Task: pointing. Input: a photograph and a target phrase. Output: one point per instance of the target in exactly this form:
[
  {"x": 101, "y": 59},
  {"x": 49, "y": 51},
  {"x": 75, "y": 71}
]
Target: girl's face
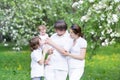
[
  {"x": 72, "y": 34},
  {"x": 59, "y": 32},
  {"x": 42, "y": 31}
]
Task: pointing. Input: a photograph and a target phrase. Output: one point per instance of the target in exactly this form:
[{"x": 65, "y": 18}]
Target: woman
[{"x": 76, "y": 55}]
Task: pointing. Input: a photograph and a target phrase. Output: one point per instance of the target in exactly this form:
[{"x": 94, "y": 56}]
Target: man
[{"x": 57, "y": 68}]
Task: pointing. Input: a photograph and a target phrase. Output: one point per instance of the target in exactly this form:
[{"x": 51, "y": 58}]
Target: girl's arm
[{"x": 41, "y": 61}]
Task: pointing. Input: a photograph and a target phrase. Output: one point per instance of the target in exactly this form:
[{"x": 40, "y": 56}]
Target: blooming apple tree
[{"x": 100, "y": 20}]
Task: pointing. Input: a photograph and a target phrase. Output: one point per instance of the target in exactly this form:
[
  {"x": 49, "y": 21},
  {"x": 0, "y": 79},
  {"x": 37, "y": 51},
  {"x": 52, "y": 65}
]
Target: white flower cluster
[
  {"x": 103, "y": 14},
  {"x": 77, "y": 4}
]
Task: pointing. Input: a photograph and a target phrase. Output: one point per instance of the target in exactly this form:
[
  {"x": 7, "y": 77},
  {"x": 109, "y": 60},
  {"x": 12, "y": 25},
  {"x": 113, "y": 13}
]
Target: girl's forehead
[{"x": 42, "y": 28}]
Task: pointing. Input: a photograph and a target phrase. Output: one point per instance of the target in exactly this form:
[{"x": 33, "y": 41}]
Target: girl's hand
[
  {"x": 50, "y": 51},
  {"x": 46, "y": 62},
  {"x": 49, "y": 41}
]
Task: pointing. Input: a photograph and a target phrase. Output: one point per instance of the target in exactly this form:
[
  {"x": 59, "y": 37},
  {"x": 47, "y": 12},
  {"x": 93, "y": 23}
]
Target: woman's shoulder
[{"x": 82, "y": 39}]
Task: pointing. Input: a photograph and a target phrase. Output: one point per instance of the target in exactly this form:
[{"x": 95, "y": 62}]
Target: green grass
[
  {"x": 105, "y": 65},
  {"x": 14, "y": 65}
]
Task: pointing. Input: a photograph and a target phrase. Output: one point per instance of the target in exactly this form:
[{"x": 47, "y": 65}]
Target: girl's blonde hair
[{"x": 41, "y": 26}]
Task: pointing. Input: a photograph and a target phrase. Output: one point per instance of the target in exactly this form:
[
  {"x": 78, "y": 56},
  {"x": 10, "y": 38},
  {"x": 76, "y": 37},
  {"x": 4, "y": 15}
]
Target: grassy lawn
[{"x": 105, "y": 65}]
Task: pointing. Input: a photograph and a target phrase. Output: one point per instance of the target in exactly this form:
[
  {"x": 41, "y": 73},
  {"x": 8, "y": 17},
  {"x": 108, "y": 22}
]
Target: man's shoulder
[{"x": 53, "y": 35}]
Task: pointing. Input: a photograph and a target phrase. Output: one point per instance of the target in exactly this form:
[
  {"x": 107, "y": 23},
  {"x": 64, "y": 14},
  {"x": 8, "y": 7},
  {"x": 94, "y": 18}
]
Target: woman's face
[{"x": 72, "y": 34}]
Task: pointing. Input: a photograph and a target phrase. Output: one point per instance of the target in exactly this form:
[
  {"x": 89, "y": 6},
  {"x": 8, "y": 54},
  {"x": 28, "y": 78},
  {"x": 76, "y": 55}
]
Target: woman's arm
[{"x": 80, "y": 57}]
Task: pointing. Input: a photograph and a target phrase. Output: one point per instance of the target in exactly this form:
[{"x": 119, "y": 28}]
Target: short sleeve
[
  {"x": 37, "y": 56},
  {"x": 83, "y": 43}
]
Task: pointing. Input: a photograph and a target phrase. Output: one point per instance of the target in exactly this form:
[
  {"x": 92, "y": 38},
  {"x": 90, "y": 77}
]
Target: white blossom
[
  {"x": 92, "y": 32},
  {"x": 80, "y": 2},
  {"x": 103, "y": 32},
  {"x": 102, "y": 17},
  {"x": 116, "y": 1},
  {"x": 112, "y": 41},
  {"x": 115, "y": 18},
  {"x": 101, "y": 38},
  {"x": 103, "y": 44},
  {"x": 100, "y": 27},
  {"x": 55, "y": 14},
  {"x": 84, "y": 18},
  {"x": 5, "y": 44},
  {"x": 75, "y": 4},
  {"x": 91, "y": 1},
  {"x": 109, "y": 31},
  {"x": 71, "y": 20}
]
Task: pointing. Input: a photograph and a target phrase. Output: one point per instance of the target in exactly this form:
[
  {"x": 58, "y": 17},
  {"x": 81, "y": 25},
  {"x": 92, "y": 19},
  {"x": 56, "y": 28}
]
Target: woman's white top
[
  {"x": 57, "y": 60},
  {"x": 37, "y": 70},
  {"x": 76, "y": 49}
]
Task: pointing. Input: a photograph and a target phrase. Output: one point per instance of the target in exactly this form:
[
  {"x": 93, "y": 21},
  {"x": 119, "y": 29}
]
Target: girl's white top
[
  {"x": 37, "y": 70},
  {"x": 75, "y": 63},
  {"x": 43, "y": 37}
]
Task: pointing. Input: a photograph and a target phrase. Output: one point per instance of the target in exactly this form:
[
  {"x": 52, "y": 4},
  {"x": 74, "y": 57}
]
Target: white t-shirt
[
  {"x": 43, "y": 37},
  {"x": 57, "y": 60},
  {"x": 37, "y": 70},
  {"x": 75, "y": 63}
]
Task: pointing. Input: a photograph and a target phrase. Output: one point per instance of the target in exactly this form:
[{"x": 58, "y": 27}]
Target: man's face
[{"x": 60, "y": 32}]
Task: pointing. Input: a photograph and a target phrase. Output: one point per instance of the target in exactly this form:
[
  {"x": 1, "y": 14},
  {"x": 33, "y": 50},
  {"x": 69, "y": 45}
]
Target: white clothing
[
  {"x": 76, "y": 67},
  {"x": 76, "y": 74},
  {"x": 58, "y": 66},
  {"x": 37, "y": 70},
  {"x": 54, "y": 74},
  {"x": 58, "y": 61},
  {"x": 75, "y": 63},
  {"x": 43, "y": 37}
]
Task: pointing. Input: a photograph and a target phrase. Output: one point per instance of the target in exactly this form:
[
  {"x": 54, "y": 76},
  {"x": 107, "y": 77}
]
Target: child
[
  {"x": 42, "y": 33},
  {"x": 37, "y": 60}
]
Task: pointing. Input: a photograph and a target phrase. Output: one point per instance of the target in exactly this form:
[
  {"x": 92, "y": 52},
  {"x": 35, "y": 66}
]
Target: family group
[{"x": 59, "y": 56}]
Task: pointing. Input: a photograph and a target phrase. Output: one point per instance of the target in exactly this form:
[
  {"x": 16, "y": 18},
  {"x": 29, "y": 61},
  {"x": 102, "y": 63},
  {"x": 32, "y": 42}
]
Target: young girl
[
  {"x": 37, "y": 61},
  {"x": 42, "y": 33}
]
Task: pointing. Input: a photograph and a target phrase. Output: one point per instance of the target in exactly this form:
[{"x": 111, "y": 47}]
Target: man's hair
[{"x": 60, "y": 25}]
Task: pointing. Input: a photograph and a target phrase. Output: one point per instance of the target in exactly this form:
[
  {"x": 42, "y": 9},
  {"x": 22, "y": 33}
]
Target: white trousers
[
  {"x": 76, "y": 74},
  {"x": 55, "y": 74}
]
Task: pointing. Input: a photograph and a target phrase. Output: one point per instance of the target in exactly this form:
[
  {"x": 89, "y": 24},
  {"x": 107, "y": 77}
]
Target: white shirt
[
  {"x": 37, "y": 70},
  {"x": 43, "y": 37},
  {"x": 57, "y": 60},
  {"x": 75, "y": 63}
]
